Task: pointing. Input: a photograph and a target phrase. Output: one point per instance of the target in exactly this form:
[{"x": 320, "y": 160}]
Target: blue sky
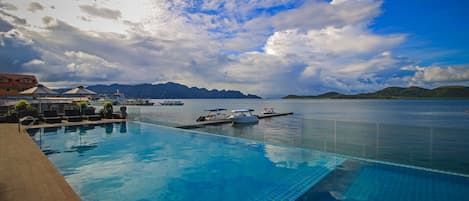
[
  {"x": 269, "y": 47},
  {"x": 431, "y": 24}
]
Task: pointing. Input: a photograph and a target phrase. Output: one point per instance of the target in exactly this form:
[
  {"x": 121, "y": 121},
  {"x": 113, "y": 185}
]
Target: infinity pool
[{"x": 138, "y": 161}]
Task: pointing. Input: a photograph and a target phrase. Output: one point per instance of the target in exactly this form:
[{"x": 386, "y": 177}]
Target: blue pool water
[
  {"x": 146, "y": 162},
  {"x": 138, "y": 161}
]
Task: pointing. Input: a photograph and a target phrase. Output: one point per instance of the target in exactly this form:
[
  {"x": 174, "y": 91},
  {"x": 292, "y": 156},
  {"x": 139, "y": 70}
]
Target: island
[{"x": 396, "y": 93}]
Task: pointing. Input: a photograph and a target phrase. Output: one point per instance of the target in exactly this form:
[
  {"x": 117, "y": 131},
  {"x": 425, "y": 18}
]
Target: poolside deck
[
  {"x": 227, "y": 121},
  {"x": 25, "y": 172}
]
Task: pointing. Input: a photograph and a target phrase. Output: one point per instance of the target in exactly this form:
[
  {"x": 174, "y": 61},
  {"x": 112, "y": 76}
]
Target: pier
[{"x": 227, "y": 121}]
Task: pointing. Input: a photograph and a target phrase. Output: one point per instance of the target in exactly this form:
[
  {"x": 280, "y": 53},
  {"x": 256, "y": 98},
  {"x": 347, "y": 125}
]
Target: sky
[{"x": 266, "y": 47}]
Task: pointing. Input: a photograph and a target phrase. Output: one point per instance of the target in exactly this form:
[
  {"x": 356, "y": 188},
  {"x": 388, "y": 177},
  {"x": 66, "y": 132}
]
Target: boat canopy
[
  {"x": 216, "y": 110},
  {"x": 242, "y": 110}
]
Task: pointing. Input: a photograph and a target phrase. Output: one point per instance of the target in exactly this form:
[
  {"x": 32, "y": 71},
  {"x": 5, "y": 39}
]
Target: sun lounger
[
  {"x": 51, "y": 117},
  {"x": 91, "y": 115},
  {"x": 72, "y": 115}
]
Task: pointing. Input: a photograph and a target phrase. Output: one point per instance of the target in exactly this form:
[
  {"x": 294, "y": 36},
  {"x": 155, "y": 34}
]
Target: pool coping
[
  {"x": 86, "y": 122},
  {"x": 25, "y": 172}
]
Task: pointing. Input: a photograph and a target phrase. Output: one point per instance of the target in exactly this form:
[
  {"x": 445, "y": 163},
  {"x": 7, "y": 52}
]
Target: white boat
[
  {"x": 214, "y": 114},
  {"x": 116, "y": 99},
  {"x": 269, "y": 110},
  {"x": 138, "y": 102},
  {"x": 171, "y": 103},
  {"x": 243, "y": 116}
]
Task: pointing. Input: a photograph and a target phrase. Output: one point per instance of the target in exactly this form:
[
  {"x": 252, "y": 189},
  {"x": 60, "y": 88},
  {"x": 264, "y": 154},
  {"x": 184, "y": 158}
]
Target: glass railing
[
  {"x": 430, "y": 147},
  {"x": 439, "y": 148}
]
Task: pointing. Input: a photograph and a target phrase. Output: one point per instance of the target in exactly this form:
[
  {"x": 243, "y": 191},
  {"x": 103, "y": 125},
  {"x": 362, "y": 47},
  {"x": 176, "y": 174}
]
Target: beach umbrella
[
  {"x": 80, "y": 90},
  {"x": 39, "y": 90}
]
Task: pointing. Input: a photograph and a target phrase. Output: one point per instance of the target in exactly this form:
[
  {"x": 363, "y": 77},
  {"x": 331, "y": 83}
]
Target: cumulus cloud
[
  {"x": 101, "y": 12},
  {"x": 34, "y": 62},
  {"x": 35, "y": 6},
  {"x": 442, "y": 74}
]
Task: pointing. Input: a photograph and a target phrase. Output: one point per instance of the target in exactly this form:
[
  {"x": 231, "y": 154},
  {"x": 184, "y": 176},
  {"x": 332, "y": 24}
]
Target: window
[
  {"x": 26, "y": 80},
  {"x": 3, "y": 80}
]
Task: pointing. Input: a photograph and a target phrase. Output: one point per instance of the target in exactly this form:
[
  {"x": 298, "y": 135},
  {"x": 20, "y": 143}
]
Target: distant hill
[
  {"x": 396, "y": 92},
  {"x": 168, "y": 90}
]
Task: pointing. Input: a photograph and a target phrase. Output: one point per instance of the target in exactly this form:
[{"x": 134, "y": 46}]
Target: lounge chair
[
  {"x": 91, "y": 115},
  {"x": 51, "y": 117},
  {"x": 72, "y": 115}
]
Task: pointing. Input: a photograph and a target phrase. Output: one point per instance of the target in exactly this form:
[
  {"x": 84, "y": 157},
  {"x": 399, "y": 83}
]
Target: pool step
[{"x": 299, "y": 182}]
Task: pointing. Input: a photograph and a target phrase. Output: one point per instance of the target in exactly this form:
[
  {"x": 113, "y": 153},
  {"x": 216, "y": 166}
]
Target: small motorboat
[
  {"x": 214, "y": 114},
  {"x": 243, "y": 116},
  {"x": 269, "y": 110},
  {"x": 171, "y": 103}
]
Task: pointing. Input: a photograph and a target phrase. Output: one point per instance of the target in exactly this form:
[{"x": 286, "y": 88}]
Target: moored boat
[
  {"x": 269, "y": 110},
  {"x": 138, "y": 102},
  {"x": 243, "y": 116},
  {"x": 214, "y": 114},
  {"x": 171, "y": 103}
]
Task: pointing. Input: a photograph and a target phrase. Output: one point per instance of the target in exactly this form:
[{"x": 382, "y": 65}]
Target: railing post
[
  {"x": 335, "y": 136},
  {"x": 377, "y": 140}
]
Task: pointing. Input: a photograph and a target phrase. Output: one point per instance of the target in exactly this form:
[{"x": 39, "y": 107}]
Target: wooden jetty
[{"x": 227, "y": 121}]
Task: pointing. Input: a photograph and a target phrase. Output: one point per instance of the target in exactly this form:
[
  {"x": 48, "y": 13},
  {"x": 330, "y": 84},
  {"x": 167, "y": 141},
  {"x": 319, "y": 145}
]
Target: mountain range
[
  {"x": 169, "y": 90},
  {"x": 396, "y": 93}
]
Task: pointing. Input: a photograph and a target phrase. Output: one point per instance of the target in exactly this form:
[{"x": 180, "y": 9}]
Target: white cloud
[
  {"x": 442, "y": 74},
  {"x": 34, "y": 62},
  {"x": 330, "y": 40}
]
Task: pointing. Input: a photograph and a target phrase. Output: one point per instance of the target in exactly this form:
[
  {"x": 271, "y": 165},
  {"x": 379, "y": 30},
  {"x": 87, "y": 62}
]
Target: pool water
[{"x": 138, "y": 161}]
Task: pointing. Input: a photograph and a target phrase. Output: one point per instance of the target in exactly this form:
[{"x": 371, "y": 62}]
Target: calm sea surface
[{"x": 425, "y": 133}]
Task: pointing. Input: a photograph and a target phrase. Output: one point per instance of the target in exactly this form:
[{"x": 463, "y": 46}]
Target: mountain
[
  {"x": 168, "y": 90},
  {"x": 397, "y": 92}
]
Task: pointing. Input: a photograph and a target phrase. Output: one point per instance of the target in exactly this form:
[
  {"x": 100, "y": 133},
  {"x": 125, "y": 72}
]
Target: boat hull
[{"x": 244, "y": 119}]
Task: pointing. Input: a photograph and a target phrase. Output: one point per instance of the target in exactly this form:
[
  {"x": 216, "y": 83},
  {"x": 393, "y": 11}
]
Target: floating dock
[{"x": 227, "y": 121}]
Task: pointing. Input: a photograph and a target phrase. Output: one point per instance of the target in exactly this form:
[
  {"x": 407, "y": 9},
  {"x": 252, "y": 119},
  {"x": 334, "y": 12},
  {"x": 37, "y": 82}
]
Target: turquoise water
[
  {"x": 426, "y": 133},
  {"x": 138, "y": 161}
]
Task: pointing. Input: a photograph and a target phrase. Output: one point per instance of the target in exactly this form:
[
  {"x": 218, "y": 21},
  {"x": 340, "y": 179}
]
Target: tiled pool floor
[{"x": 361, "y": 180}]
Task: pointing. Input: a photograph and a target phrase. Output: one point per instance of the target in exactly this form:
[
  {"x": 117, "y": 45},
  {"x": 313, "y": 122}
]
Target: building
[{"x": 13, "y": 84}]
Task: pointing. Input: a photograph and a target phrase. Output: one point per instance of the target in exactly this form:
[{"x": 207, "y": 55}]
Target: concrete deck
[{"x": 26, "y": 173}]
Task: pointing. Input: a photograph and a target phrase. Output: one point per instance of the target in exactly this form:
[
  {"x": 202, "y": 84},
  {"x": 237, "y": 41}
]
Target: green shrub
[
  {"x": 21, "y": 109},
  {"x": 107, "y": 110},
  {"x": 82, "y": 106}
]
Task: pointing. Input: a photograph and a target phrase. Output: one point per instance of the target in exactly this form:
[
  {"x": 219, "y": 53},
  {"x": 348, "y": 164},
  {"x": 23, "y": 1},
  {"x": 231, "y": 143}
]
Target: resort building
[{"x": 13, "y": 84}]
